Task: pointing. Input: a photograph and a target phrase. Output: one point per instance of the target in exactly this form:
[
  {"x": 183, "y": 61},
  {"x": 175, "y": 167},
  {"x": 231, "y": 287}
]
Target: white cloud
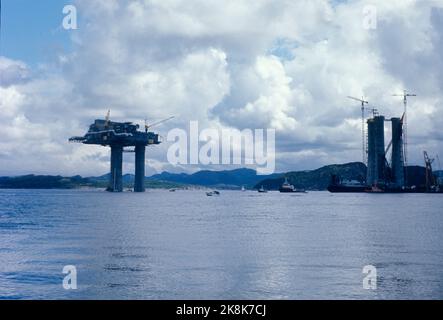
[
  {"x": 283, "y": 64},
  {"x": 12, "y": 72},
  {"x": 273, "y": 102}
]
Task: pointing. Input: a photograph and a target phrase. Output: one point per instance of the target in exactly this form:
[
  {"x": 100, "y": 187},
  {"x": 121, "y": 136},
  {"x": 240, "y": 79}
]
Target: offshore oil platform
[
  {"x": 119, "y": 136},
  {"x": 385, "y": 175}
]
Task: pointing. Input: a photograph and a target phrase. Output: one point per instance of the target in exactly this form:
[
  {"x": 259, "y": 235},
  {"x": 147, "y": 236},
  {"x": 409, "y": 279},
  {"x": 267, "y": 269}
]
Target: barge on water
[{"x": 338, "y": 186}]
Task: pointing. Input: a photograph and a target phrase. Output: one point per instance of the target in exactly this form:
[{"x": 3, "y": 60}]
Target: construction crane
[
  {"x": 148, "y": 126},
  {"x": 405, "y": 96},
  {"x": 363, "y": 136},
  {"x": 430, "y": 179}
]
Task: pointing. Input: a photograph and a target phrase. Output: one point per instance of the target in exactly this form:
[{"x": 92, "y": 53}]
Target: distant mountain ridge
[
  {"x": 317, "y": 179},
  {"x": 43, "y": 182},
  {"x": 227, "y": 178},
  {"x": 320, "y": 178},
  {"x": 59, "y": 182}
]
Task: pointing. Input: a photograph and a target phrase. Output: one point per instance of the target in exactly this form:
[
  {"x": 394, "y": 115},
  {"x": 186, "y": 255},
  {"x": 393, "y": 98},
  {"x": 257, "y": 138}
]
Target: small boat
[
  {"x": 212, "y": 193},
  {"x": 286, "y": 187},
  {"x": 172, "y": 190},
  {"x": 243, "y": 188},
  {"x": 262, "y": 190}
]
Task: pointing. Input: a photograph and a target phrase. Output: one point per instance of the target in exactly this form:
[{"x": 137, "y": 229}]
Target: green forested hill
[{"x": 318, "y": 179}]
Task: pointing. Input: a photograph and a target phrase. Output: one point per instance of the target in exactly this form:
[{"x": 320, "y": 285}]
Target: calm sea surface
[{"x": 239, "y": 245}]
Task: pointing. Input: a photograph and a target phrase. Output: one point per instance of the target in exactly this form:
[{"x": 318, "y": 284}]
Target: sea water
[{"x": 238, "y": 245}]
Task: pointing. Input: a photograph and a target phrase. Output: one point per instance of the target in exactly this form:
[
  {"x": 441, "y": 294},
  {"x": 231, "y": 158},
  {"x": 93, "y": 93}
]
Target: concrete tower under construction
[
  {"x": 119, "y": 135},
  {"x": 380, "y": 172},
  {"x": 376, "y": 150}
]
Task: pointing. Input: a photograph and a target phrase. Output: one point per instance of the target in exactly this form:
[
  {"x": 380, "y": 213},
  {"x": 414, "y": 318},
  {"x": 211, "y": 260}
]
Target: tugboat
[
  {"x": 286, "y": 187},
  {"x": 262, "y": 190}
]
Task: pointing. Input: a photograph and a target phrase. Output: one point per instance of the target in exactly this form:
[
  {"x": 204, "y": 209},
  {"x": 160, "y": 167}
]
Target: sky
[{"x": 287, "y": 65}]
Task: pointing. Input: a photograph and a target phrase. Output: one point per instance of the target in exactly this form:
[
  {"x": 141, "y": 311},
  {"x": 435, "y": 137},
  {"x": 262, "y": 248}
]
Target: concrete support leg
[
  {"x": 116, "y": 178},
  {"x": 139, "y": 184}
]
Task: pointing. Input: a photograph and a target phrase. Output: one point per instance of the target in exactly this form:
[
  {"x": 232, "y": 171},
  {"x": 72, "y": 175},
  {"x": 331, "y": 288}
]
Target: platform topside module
[
  {"x": 108, "y": 133},
  {"x": 118, "y": 135}
]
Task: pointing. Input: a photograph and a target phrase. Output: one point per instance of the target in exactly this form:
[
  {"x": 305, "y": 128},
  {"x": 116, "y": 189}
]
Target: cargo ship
[{"x": 338, "y": 186}]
